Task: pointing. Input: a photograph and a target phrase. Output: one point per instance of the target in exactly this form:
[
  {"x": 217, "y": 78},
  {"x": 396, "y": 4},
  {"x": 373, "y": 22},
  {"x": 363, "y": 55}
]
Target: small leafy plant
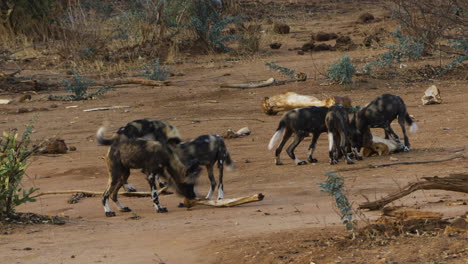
[
  {"x": 341, "y": 71},
  {"x": 78, "y": 86},
  {"x": 334, "y": 185},
  {"x": 14, "y": 154},
  {"x": 461, "y": 45},
  {"x": 155, "y": 71}
]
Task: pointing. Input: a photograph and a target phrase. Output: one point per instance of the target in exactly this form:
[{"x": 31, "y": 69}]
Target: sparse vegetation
[
  {"x": 341, "y": 71},
  {"x": 78, "y": 86},
  {"x": 14, "y": 154},
  {"x": 155, "y": 71},
  {"x": 334, "y": 185},
  {"x": 406, "y": 48}
]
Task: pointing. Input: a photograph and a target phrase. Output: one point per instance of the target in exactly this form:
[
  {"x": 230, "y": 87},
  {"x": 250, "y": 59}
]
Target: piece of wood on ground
[
  {"x": 94, "y": 193},
  {"x": 454, "y": 182},
  {"x": 249, "y": 85},
  {"x": 226, "y": 202},
  {"x": 106, "y": 108},
  {"x": 404, "y": 213}
]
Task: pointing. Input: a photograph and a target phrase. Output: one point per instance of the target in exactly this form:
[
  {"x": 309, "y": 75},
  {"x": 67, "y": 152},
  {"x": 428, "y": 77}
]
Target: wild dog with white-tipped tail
[
  {"x": 208, "y": 150},
  {"x": 337, "y": 123},
  {"x": 301, "y": 122},
  {"x": 380, "y": 113},
  {"x": 153, "y": 158}
]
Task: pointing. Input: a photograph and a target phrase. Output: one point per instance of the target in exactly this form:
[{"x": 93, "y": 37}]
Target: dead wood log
[
  {"x": 94, "y": 193},
  {"x": 249, "y": 85},
  {"x": 370, "y": 166},
  {"x": 454, "y": 182},
  {"x": 226, "y": 202}
]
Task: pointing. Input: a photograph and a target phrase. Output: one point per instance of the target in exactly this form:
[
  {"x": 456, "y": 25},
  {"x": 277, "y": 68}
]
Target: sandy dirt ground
[{"x": 295, "y": 217}]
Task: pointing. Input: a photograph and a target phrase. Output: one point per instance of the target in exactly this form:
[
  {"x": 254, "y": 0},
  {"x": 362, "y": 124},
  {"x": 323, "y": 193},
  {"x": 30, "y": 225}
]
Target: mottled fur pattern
[
  {"x": 167, "y": 134},
  {"x": 337, "y": 123},
  {"x": 301, "y": 122},
  {"x": 379, "y": 114},
  {"x": 208, "y": 150},
  {"x": 143, "y": 128},
  {"x": 153, "y": 158}
]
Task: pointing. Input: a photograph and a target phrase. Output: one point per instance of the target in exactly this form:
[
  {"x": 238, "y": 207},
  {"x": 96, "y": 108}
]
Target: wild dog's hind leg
[
  {"x": 286, "y": 136},
  {"x": 115, "y": 179},
  {"x": 220, "y": 185},
  {"x": 154, "y": 193},
  {"x": 209, "y": 169},
  {"x": 312, "y": 147},
  {"x": 343, "y": 147},
  {"x": 292, "y": 147},
  {"x": 401, "y": 121},
  {"x": 125, "y": 174}
]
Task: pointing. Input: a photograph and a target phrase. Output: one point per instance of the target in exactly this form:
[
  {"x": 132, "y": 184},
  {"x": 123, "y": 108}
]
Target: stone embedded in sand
[
  {"x": 366, "y": 18},
  {"x": 322, "y": 36},
  {"x": 54, "y": 146},
  {"x": 281, "y": 28},
  {"x": 322, "y": 46},
  {"x": 275, "y": 45},
  {"x": 308, "y": 46},
  {"x": 344, "y": 43}
]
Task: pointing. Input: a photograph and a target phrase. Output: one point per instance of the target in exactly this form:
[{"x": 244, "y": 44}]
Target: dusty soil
[{"x": 295, "y": 223}]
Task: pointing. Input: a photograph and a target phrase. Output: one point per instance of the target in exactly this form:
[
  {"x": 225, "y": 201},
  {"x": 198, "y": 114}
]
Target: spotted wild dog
[
  {"x": 380, "y": 113},
  {"x": 339, "y": 141},
  {"x": 166, "y": 134},
  {"x": 207, "y": 150},
  {"x": 153, "y": 158},
  {"x": 301, "y": 122}
]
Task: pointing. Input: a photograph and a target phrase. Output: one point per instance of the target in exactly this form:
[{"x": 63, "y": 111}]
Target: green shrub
[
  {"x": 79, "y": 87},
  {"x": 405, "y": 48},
  {"x": 341, "y": 71},
  {"x": 334, "y": 185},
  {"x": 14, "y": 154},
  {"x": 155, "y": 71}
]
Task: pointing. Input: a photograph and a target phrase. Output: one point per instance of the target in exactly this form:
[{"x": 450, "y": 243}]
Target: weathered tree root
[{"x": 454, "y": 182}]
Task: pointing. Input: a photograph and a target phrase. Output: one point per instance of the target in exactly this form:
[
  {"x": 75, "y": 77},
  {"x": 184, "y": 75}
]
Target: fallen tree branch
[
  {"x": 226, "y": 202},
  {"x": 249, "y": 85},
  {"x": 94, "y": 193},
  {"x": 299, "y": 77},
  {"x": 106, "y": 108},
  {"x": 454, "y": 182},
  {"x": 370, "y": 166}
]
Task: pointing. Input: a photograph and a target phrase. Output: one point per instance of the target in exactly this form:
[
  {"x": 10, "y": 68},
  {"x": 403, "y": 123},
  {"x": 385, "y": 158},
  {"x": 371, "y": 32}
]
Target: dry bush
[{"x": 432, "y": 20}]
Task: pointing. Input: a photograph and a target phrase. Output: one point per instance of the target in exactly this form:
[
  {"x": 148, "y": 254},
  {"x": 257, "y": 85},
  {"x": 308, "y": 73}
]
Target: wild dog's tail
[
  {"x": 411, "y": 123},
  {"x": 102, "y": 140},
  {"x": 278, "y": 134},
  {"x": 226, "y": 157}
]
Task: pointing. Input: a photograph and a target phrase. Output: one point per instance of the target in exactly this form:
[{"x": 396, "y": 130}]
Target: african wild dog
[
  {"x": 153, "y": 158},
  {"x": 301, "y": 122},
  {"x": 166, "y": 134},
  {"x": 207, "y": 150},
  {"x": 337, "y": 123},
  {"x": 380, "y": 113}
]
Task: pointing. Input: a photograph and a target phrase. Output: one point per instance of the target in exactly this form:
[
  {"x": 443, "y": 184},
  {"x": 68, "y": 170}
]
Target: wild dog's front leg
[{"x": 154, "y": 194}]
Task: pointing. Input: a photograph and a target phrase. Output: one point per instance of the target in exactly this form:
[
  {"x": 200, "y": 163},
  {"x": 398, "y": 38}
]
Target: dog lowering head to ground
[
  {"x": 207, "y": 150},
  {"x": 337, "y": 123},
  {"x": 153, "y": 158},
  {"x": 167, "y": 134},
  {"x": 380, "y": 113},
  {"x": 301, "y": 122}
]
